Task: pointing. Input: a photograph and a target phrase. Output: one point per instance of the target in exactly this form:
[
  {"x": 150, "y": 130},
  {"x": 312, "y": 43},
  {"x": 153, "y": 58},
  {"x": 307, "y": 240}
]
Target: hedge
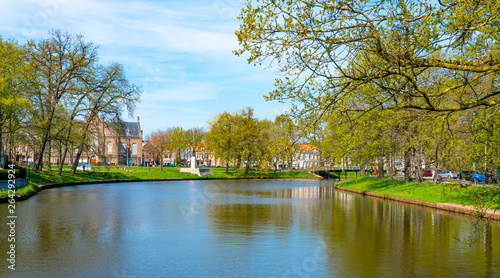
[{"x": 20, "y": 173}]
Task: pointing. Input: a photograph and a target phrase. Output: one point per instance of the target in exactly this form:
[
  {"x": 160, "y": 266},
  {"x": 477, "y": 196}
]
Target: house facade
[
  {"x": 307, "y": 156},
  {"x": 121, "y": 143}
]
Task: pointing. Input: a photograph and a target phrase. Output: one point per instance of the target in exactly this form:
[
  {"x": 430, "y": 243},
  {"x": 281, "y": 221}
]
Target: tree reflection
[{"x": 364, "y": 237}]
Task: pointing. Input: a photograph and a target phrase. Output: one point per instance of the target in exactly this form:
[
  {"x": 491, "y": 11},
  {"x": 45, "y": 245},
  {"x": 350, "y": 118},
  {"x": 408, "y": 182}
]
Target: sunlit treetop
[{"x": 357, "y": 55}]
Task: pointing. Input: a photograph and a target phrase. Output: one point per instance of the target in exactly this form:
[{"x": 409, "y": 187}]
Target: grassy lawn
[
  {"x": 345, "y": 174},
  {"x": 135, "y": 173},
  {"x": 426, "y": 191}
]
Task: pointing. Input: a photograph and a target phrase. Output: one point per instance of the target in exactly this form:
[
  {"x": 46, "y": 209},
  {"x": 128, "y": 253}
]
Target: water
[{"x": 242, "y": 228}]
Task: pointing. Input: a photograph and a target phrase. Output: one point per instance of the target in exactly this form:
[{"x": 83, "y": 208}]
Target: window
[
  {"x": 110, "y": 148},
  {"x": 134, "y": 149}
]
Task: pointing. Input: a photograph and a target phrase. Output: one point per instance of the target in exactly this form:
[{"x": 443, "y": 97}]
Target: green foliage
[
  {"x": 220, "y": 138},
  {"x": 240, "y": 138},
  {"x": 239, "y": 172},
  {"x": 178, "y": 142},
  {"x": 18, "y": 173},
  {"x": 437, "y": 56}
]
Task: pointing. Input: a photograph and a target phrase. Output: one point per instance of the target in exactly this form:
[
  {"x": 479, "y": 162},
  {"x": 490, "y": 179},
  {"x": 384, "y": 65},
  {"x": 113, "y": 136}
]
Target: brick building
[{"x": 121, "y": 144}]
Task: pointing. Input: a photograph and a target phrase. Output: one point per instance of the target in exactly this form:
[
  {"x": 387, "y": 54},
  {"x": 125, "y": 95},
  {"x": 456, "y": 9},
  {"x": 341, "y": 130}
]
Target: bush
[
  {"x": 20, "y": 173},
  {"x": 239, "y": 172}
]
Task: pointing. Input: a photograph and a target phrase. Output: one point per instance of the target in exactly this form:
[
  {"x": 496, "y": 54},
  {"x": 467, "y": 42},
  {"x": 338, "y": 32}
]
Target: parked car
[
  {"x": 427, "y": 173},
  {"x": 465, "y": 175},
  {"x": 478, "y": 177},
  {"x": 496, "y": 178},
  {"x": 448, "y": 174}
]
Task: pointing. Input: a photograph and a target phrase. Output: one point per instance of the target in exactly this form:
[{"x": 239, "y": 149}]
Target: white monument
[
  {"x": 194, "y": 170},
  {"x": 193, "y": 162}
]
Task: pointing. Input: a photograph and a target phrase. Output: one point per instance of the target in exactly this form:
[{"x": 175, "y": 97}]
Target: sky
[{"x": 179, "y": 52}]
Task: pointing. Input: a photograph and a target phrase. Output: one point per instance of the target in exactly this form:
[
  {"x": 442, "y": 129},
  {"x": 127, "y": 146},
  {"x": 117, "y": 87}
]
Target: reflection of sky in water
[{"x": 243, "y": 228}]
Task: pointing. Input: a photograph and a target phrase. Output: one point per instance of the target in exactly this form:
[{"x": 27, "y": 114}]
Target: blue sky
[{"x": 178, "y": 51}]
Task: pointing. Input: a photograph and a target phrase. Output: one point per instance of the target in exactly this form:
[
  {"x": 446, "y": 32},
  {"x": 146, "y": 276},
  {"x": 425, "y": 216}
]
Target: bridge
[{"x": 335, "y": 171}]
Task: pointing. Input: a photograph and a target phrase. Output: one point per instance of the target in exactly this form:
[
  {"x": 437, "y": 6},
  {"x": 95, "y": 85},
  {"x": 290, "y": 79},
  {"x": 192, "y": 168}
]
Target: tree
[
  {"x": 108, "y": 91},
  {"x": 265, "y": 146},
  {"x": 287, "y": 137},
  {"x": 436, "y": 56},
  {"x": 220, "y": 137},
  {"x": 58, "y": 63},
  {"x": 246, "y": 137},
  {"x": 14, "y": 89},
  {"x": 194, "y": 136},
  {"x": 179, "y": 143},
  {"x": 159, "y": 143}
]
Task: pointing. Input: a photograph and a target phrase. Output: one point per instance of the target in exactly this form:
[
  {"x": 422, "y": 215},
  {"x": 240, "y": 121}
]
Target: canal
[{"x": 239, "y": 228}]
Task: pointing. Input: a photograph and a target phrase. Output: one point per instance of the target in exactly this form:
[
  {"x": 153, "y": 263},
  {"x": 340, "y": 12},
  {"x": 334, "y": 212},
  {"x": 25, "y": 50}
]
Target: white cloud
[
  {"x": 178, "y": 51},
  {"x": 158, "y": 25}
]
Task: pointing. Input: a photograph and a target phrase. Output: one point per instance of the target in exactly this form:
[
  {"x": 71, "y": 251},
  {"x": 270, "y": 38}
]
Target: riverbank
[
  {"x": 471, "y": 200},
  {"x": 49, "y": 179}
]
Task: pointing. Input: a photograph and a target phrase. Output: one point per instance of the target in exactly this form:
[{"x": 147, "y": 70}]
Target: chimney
[{"x": 137, "y": 118}]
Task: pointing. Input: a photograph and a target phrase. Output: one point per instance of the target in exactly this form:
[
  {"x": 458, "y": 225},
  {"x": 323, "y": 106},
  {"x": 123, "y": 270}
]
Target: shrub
[
  {"x": 239, "y": 172},
  {"x": 20, "y": 173}
]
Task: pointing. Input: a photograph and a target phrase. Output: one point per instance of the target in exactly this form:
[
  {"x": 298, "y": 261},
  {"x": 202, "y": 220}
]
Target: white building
[{"x": 307, "y": 156}]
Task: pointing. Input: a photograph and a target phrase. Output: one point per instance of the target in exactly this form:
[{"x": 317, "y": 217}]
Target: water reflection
[
  {"x": 365, "y": 237},
  {"x": 239, "y": 228},
  {"x": 309, "y": 192}
]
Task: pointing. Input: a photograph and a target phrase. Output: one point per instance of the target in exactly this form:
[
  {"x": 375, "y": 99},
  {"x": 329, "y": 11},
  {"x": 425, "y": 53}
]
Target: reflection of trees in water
[
  {"x": 309, "y": 192},
  {"x": 385, "y": 238},
  {"x": 247, "y": 218},
  {"x": 58, "y": 231},
  {"x": 363, "y": 236}
]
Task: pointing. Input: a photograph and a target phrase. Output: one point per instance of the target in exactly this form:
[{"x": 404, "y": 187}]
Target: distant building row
[{"x": 124, "y": 144}]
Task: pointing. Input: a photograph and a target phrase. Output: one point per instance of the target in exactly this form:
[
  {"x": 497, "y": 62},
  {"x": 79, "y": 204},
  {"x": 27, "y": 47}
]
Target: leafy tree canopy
[{"x": 430, "y": 55}]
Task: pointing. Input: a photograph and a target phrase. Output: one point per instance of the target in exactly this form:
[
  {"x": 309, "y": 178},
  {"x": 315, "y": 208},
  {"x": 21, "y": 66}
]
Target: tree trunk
[
  {"x": 247, "y": 167},
  {"x": 227, "y": 167},
  {"x": 162, "y": 152},
  {"x": 407, "y": 164},
  {"x": 48, "y": 156},
  {"x": 66, "y": 141},
  {"x": 45, "y": 137},
  {"x": 362, "y": 165},
  {"x": 390, "y": 169},
  {"x": 380, "y": 162},
  {"x": 238, "y": 162},
  {"x": 77, "y": 158},
  {"x": 78, "y": 155},
  {"x": 436, "y": 166},
  {"x": 427, "y": 162},
  {"x": 39, "y": 156},
  {"x": 65, "y": 152},
  {"x": 418, "y": 163}
]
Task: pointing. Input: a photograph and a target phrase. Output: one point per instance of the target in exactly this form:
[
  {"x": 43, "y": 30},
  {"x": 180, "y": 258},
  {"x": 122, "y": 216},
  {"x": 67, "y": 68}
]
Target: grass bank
[
  {"x": 475, "y": 197},
  {"x": 47, "y": 179}
]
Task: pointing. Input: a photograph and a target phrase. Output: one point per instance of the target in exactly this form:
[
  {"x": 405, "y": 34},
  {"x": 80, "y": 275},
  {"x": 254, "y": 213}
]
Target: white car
[{"x": 448, "y": 175}]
